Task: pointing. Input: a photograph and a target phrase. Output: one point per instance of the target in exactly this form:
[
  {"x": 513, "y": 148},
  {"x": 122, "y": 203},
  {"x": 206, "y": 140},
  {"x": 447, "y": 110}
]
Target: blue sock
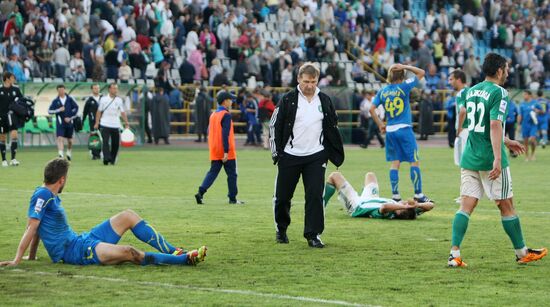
[
  {"x": 416, "y": 179},
  {"x": 158, "y": 258},
  {"x": 394, "y": 180},
  {"x": 146, "y": 233}
]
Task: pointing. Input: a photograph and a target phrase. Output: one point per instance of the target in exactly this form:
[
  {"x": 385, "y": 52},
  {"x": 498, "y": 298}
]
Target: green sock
[
  {"x": 329, "y": 191},
  {"x": 512, "y": 227},
  {"x": 460, "y": 224}
]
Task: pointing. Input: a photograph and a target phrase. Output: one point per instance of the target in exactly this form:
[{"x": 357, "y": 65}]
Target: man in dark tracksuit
[
  {"x": 8, "y": 93},
  {"x": 65, "y": 110},
  {"x": 303, "y": 136},
  {"x": 90, "y": 110}
]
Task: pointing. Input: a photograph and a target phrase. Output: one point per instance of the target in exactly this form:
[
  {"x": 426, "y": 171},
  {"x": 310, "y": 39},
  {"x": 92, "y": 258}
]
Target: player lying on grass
[
  {"x": 48, "y": 221},
  {"x": 369, "y": 203}
]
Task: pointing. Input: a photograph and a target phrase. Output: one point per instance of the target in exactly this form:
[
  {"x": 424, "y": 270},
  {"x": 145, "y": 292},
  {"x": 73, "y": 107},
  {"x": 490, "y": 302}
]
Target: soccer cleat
[
  {"x": 198, "y": 198},
  {"x": 4, "y": 163},
  {"x": 424, "y": 199},
  {"x": 456, "y": 262},
  {"x": 236, "y": 202},
  {"x": 197, "y": 255},
  {"x": 179, "y": 251},
  {"x": 532, "y": 255},
  {"x": 14, "y": 162},
  {"x": 68, "y": 158},
  {"x": 396, "y": 197}
]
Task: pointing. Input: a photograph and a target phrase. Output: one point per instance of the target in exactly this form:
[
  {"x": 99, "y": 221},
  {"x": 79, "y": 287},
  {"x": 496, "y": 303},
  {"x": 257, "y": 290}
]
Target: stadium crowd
[
  {"x": 235, "y": 42},
  {"x": 99, "y": 40}
]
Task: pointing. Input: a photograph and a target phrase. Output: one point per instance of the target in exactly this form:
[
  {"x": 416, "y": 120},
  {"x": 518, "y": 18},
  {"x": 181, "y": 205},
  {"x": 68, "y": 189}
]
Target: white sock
[
  {"x": 455, "y": 253},
  {"x": 396, "y": 196},
  {"x": 419, "y": 195},
  {"x": 69, "y": 153},
  {"x": 60, "y": 152},
  {"x": 520, "y": 253}
]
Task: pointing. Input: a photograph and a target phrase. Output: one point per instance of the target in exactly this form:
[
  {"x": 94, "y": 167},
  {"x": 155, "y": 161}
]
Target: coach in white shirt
[
  {"x": 304, "y": 134},
  {"x": 111, "y": 108}
]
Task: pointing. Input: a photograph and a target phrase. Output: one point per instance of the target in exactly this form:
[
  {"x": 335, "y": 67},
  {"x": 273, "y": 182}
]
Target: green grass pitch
[{"x": 370, "y": 262}]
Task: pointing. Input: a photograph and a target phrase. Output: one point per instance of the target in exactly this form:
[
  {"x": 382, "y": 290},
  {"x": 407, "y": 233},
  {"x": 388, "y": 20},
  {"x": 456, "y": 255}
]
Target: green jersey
[
  {"x": 485, "y": 101},
  {"x": 461, "y": 102},
  {"x": 371, "y": 208}
]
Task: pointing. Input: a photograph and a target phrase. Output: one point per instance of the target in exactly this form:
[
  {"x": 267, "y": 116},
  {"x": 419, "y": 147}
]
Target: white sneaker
[
  {"x": 4, "y": 163},
  {"x": 14, "y": 162}
]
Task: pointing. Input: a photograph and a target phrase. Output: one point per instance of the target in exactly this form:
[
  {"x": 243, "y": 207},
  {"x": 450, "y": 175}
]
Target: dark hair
[
  {"x": 60, "y": 86},
  {"x": 407, "y": 214},
  {"x": 55, "y": 169},
  {"x": 93, "y": 84},
  {"x": 540, "y": 93},
  {"x": 395, "y": 76},
  {"x": 7, "y": 75},
  {"x": 112, "y": 84},
  {"x": 459, "y": 74},
  {"x": 492, "y": 63},
  {"x": 528, "y": 92}
]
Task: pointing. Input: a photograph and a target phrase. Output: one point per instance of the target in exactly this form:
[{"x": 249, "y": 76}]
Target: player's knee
[
  {"x": 370, "y": 176},
  {"x": 130, "y": 214},
  {"x": 133, "y": 255},
  {"x": 335, "y": 175}
]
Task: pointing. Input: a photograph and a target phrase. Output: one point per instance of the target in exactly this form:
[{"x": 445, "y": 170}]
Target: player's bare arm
[
  {"x": 515, "y": 146},
  {"x": 496, "y": 141},
  {"x": 461, "y": 118},
  {"x": 420, "y": 73},
  {"x": 28, "y": 236},
  {"x": 377, "y": 120},
  {"x": 389, "y": 207}
]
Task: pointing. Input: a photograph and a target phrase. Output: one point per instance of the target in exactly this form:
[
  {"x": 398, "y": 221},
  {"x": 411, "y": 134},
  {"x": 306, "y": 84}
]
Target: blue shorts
[
  {"x": 401, "y": 146},
  {"x": 528, "y": 131},
  {"x": 64, "y": 131},
  {"x": 81, "y": 250}
]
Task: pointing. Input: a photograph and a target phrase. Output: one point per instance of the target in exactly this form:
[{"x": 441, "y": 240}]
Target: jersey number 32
[{"x": 475, "y": 110}]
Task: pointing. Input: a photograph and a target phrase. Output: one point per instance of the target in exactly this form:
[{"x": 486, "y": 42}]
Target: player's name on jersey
[
  {"x": 478, "y": 93},
  {"x": 396, "y": 93}
]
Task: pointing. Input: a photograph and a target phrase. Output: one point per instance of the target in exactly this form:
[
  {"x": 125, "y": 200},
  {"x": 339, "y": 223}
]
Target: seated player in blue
[
  {"x": 48, "y": 222},
  {"x": 369, "y": 203},
  {"x": 528, "y": 111},
  {"x": 400, "y": 140}
]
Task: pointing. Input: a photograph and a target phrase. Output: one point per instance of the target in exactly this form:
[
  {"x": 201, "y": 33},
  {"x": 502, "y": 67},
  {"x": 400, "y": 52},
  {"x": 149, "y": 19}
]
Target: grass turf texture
[{"x": 375, "y": 262}]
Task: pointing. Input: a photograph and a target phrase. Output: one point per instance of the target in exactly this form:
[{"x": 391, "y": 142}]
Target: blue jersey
[
  {"x": 525, "y": 112},
  {"x": 54, "y": 230},
  {"x": 512, "y": 113},
  {"x": 395, "y": 99},
  {"x": 545, "y": 107}
]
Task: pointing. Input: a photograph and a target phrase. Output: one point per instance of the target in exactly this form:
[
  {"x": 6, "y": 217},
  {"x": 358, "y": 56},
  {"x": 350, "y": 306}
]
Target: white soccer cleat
[
  {"x": 4, "y": 163},
  {"x": 14, "y": 162}
]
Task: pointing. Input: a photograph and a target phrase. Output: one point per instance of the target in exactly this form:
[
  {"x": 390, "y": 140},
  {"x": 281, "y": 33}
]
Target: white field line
[
  {"x": 182, "y": 198},
  {"x": 193, "y": 288}
]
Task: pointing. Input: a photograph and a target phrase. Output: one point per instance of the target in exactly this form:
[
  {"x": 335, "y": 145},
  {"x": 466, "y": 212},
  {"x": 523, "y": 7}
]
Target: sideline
[{"x": 193, "y": 288}]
